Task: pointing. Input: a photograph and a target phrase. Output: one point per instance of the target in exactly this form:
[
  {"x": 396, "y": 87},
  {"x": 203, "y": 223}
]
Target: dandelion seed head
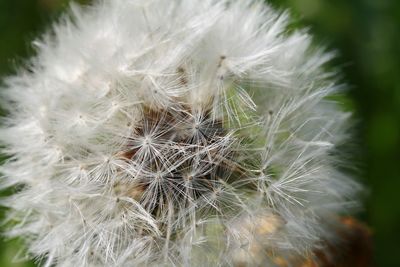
[{"x": 174, "y": 133}]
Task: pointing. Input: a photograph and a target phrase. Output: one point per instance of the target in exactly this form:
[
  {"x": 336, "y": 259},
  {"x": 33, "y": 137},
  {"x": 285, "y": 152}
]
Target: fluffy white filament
[{"x": 183, "y": 132}]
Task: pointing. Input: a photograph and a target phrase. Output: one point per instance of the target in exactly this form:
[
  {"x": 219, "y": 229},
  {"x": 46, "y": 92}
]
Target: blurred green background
[{"x": 366, "y": 33}]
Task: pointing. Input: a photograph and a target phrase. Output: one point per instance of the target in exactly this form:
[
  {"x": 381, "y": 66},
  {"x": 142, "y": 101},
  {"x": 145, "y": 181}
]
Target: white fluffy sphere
[{"x": 174, "y": 133}]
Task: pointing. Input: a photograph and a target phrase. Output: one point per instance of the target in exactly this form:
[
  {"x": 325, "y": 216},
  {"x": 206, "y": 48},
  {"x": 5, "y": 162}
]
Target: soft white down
[{"x": 174, "y": 133}]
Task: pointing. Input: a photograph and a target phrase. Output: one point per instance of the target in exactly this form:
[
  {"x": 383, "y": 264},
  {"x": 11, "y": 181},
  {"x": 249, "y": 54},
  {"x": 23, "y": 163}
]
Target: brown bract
[{"x": 354, "y": 250}]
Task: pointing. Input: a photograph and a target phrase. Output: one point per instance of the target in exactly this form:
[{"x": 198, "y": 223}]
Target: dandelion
[{"x": 174, "y": 133}]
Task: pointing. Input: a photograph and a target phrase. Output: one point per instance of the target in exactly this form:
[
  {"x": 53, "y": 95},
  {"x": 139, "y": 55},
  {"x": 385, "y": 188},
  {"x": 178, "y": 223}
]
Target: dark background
[{"x": 366, "y": 34}]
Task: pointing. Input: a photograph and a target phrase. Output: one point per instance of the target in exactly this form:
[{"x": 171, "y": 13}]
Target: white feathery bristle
[{"x": 174, "y": 133}]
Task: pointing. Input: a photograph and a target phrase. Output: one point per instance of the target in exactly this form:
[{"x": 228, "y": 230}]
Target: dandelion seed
[{"x": 173, "y": 133}]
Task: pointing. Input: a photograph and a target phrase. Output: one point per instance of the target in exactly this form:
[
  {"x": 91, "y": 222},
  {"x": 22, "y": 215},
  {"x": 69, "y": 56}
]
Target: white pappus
[{"x": 174, "y": 133}]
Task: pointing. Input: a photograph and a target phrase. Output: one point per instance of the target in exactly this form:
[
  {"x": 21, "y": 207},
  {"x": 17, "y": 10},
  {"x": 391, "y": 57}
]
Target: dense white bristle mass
[{"x": 173, "y": 133}]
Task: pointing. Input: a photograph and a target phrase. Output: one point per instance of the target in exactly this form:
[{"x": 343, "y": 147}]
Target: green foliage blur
[{"x": 366, "y": 35}]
